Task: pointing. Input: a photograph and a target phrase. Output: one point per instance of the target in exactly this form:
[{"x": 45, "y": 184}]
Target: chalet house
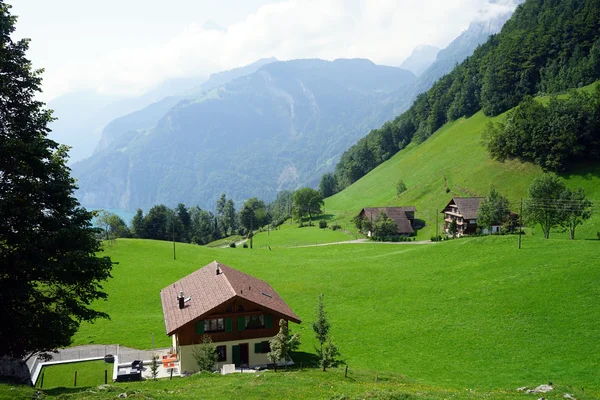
[
  {"x": 239, "y": 312},
  {"x": 403, "y": 216},
  {"x": 464, "y": 211}
]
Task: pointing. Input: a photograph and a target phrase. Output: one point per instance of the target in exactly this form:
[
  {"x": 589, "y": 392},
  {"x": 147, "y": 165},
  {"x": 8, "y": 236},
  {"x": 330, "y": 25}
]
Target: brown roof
[
  {"x": 467, "y": 206},
  {"x": 398, "y": 214},
  {"x": 209, "y": 290}
]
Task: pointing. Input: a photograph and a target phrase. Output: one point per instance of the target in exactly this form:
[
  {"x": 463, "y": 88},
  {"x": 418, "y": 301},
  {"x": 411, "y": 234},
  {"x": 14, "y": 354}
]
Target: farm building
[
  {"x": 239, "y": 312},
  {"x": 464, "y": 211},
  {"x": 403, "y": 216}
]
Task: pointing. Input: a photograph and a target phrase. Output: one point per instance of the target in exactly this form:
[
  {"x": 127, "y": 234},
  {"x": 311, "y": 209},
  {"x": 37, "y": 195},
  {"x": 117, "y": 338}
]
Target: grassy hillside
[
  {"x": 290, "y": 235},
  {"x": 473, "y": 312},
  {"x": 453, "y": 162}
]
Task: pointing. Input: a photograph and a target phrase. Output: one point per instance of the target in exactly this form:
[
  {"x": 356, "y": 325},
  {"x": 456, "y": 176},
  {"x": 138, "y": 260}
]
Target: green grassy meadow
[
  {"x": 291, "y": 235},
  {"x": 474, "y": 312},
  {"x": 305, "y": 384},
  {"x": 453, "y": 163},
  {"x": 89, "y": 373}
]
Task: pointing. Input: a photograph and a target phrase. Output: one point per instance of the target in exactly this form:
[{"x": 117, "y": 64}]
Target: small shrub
[
  {"x": 437, "y": 238},
  {"x": 335, "y": 227},
  {"x": 400, "y": 188},
  {"x": 322, "y": 224},
  {"x": 598, "y": 234},
  {"x": 447, "y": 190},
  {"x": 232, "y": 245},
  {"x": 245, "y": 245}
]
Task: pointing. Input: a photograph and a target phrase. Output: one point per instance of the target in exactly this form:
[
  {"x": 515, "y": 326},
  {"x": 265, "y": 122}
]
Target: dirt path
[{"x": 362, "y": 241}]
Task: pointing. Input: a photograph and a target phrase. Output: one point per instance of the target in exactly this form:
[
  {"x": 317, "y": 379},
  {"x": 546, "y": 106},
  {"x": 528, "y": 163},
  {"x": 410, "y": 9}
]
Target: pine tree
[
  {"x": 49, "y": 271},
  {"x": 327, "y": 351}
]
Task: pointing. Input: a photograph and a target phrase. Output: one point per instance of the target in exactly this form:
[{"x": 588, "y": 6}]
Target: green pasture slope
[
  {"x": 469, "y": 313},
  {"x": 291, "y": 235},
  {"x": 89, "y": 373},
  {"x": 453, "y": 159}
]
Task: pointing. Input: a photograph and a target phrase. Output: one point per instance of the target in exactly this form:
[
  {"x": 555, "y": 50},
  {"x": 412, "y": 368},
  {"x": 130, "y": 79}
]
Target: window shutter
[
  {"x": 258, "y": 348},
  {"x": 228, "y": 324},
  {"x": 268, "y": 321},
  {"x": 241, "y": 323},
  {"x": 199, "y": 327}
]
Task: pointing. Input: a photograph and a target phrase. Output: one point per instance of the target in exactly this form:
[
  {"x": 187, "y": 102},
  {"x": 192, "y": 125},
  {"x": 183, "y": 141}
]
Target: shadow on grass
[
  {"x": 64, "y": 390},
  {"x": 305, "y": 360},
  {"x": 419, "y": 224}
]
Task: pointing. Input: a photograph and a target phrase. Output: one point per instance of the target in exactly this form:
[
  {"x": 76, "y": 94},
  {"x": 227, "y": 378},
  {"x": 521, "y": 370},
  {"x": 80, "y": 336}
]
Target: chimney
[
  {"x": 181, "y": 300},
  {"x": 218, "y": 270}
]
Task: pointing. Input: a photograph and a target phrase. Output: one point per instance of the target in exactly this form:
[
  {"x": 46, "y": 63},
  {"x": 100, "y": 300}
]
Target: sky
[{"x": 126, "y": 47}]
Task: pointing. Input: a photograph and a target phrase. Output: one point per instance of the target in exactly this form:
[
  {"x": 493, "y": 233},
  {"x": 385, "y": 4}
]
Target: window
[
  {"x": 221, "y": 353},
  {"x": 255, "y": 321},
  {"x": 262, "y": 347},
  {"x": 229, "y": 308},
  {"x": 214, "y": 325},
  {"x": 240, "y": 308}
]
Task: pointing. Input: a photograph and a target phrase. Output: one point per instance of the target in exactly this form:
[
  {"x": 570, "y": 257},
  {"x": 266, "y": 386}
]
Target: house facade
[
  {"x": 239, "y": 312},
  {"x": 463, "y": 210},
  {"x": 404, "y": 217}
]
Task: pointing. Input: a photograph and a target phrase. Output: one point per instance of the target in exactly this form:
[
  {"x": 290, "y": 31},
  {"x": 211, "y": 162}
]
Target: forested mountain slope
[{"x": 546, "y": 47}]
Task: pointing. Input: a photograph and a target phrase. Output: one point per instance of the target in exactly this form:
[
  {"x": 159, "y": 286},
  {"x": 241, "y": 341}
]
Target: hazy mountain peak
[{"x": 420, "y": 59}]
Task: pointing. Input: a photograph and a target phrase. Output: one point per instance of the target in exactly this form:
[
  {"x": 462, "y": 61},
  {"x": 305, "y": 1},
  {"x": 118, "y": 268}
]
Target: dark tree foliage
[
  {"x": 547, "y": 46},
  {"x": 49, "y": 271},
  {"x": 281, "y": 208},
  {"x": 138, "y": 229},
  {"x": 253, "y": 214},
  {"x": 555, "y": 136},
  {"x": 328, "y": 185}
]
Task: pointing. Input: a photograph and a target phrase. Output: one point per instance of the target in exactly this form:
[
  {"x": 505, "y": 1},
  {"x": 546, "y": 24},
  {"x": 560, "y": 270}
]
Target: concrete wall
[{"x": 188, "y": 363}]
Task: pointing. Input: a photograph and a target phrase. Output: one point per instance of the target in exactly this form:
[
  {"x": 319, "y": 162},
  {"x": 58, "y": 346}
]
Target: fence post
[
  {"x": 42, "y": 381},
  {"x": 346, "y": 372},
  {"x": 105, "y": 376},
  {"x": 171, "y": 378},
  {"x": 75, "y": 379}
]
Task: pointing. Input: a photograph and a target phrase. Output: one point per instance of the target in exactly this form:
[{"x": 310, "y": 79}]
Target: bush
[
  {"x": 598, "y": 234},
  {"x": 232, "y": 245},
  {"x": 437, "y": 238},
  {"x": 335, "y": 227},
  {"x": 245, "y": 245},
  {"x": 322, "y": 224}
]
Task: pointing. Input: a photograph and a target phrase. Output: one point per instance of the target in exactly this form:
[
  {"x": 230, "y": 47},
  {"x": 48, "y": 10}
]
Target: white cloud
[{"x": 384, "y": 31}]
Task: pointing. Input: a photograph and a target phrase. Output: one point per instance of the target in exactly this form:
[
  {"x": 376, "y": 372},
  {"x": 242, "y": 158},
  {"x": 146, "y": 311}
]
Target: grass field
[
  {"x": 225, "y": 241},
  {"x": 453, "y": 162},
  {"x": 473, "y": 312},
  {"x": 306, "y": 384},
  {"x": 291, "y": 235},
  {"x": 89, "y": 373}
]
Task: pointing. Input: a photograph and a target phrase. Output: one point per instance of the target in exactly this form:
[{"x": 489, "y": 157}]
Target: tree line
[
  {"x": 546, "y": 47},
  {"x": 198, "y": 226},
  {"x": 554, "y": 136}
]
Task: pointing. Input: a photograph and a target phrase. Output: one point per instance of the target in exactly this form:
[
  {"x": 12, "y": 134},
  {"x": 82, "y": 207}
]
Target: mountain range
[{"x": 256, "y": 130}]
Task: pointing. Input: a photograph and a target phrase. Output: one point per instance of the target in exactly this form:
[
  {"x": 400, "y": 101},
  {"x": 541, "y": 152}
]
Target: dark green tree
[
  {"x": 157, "y": 223},
  {"x": 112, "y": 225},
  {"x": 328, "y": 185},
  {"x": 307, "y": 202},
  {"x": 575, "y": 208},
  {"x": 205, "y": 354},
  {"x": 400, "y": 187},
  {"x": 138, "y": 226},
  {"x": 50, "y": 273},
  {"x": 253, "y": 214},
  {"x": 544, "y": 204},
  {"x": 495, "y": 210},
  {"x": 183, "y": 215},
  {"x": 384, "y": 226}
]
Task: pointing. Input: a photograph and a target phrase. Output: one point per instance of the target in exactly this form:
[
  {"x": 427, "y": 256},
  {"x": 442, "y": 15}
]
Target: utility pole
[
  {"x": 520, "y": 222},
  {"x": 251, "y": 228}
]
